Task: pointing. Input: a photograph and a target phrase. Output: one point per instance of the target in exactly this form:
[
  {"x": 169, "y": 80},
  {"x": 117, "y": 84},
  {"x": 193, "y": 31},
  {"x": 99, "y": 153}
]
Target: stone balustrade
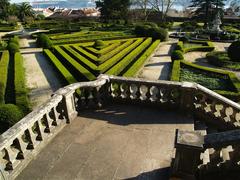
[{"x": 24, "y": 140}]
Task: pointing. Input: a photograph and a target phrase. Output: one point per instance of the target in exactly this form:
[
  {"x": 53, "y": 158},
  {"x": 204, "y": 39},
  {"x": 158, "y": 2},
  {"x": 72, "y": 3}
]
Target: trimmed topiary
[
  {"x": 44, "y": 41},
  {"x": 184, "y": 39},
  {"x": 177, "y": 55},
  {"x": 13, "y": 47},
  {"x": 99, "y": 44},
  {"x": 10, "y": 114},
  {"x": 233, "y": 51}
]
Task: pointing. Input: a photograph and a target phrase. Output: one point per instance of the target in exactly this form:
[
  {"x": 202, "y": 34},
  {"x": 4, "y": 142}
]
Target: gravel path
[
  {"x": 200, "y": 57},
  {"x": 40, "y": 76},
  {"x": 159, "y": 65}
]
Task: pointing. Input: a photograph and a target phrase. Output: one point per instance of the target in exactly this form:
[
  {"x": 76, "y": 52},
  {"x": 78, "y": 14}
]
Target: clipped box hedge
[
  {"x": 60, "y": 67},
  {"x": 21, "y": 92},
  {"x": 4, "y": 62},
  {"x": 141, "y": 60},
  {"x": 119, "y": 67},
  {"x": 85, "y": 53},
  {"x": 115, "y": 59},
  {"x": 79, "y": 68}
]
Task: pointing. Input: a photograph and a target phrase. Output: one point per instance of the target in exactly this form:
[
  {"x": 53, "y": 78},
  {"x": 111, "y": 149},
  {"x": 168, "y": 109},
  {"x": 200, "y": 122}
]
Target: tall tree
[
  {"x": 4, "y": 9},
  {"x": 207, "y": 9},
  {"x": 162, "y": 6},
  {"x": 113, "y": 9},
  {"x": 25, "y": 9},
  {"x": 143, "y": 5}
]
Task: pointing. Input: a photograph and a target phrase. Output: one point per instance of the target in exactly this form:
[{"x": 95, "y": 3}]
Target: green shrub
[
  {"x": 154, "y": 32},
  {"x": 44, "y": 41},
  {"x": 179, "y": 46},
  {"x": 233, "y": 51},
  {"x": 177, "y": 55},
  {"x": 217, "y": 58},
  {"x": 9, "y": 115},
  {"x": 140, "y": 61},
  {"x": 13, "y": 47},
  {"x": 99, "y": 44},
  {"x": 22, "y": 100},
  {"x": 4, "y": 62},
  {"x": 60, "y": 67}
]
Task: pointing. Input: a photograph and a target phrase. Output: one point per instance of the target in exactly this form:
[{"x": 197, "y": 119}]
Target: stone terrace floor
[{"x": 118, "y": 142}]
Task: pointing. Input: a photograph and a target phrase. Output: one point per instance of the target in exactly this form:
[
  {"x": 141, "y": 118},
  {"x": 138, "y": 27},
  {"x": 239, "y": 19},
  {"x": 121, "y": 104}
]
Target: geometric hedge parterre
[{"x": 85, "y": 61}]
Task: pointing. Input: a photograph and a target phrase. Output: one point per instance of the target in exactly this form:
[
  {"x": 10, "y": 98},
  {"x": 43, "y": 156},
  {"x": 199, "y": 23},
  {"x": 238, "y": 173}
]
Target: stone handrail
[{"x": 24, "y": 140}]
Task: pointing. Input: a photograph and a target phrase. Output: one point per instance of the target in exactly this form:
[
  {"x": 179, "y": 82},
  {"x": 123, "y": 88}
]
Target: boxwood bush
[
  {"x": 44, "y": 41},
  {"x": 177, "y": 55},
  {"x": 154, "y": 32},
  {"x": 10, "y": 114}
]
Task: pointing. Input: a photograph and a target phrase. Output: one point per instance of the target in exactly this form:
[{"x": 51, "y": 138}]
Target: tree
[
  {"x": 113, "y": 9},
  {"x": 4, "y": 9},
  {"x": 162, "y": 6},
  {"x": 25, "y": 9},
  {"x": 142, "y": 5},
  {"x": 207, "y": 9}
]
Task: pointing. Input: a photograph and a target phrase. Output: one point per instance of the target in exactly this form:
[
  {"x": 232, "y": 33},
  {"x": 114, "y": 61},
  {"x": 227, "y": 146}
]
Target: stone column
[
  {"x": 69, "y": 103},
  {"x": 188, "y": 91},
  {"x": 189, "y": 146}
]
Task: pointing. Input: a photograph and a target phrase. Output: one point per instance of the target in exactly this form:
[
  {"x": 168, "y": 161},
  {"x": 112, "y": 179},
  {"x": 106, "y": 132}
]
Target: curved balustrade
[{"x": 25, "y": 139}]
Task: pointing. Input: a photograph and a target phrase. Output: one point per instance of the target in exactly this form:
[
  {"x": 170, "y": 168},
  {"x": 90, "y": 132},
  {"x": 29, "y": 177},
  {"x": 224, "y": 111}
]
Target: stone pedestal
[{"x": 189, "y": 146}]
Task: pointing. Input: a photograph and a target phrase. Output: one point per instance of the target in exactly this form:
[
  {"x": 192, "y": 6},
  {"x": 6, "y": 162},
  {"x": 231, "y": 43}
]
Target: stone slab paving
[
  {"x": 159, "y": 66},
  {"x": 40, "y": 76},
  {"x": 120, "y": 142}
]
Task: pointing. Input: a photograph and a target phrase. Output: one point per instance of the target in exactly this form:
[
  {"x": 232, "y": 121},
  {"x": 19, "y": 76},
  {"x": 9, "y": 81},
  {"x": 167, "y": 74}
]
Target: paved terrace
[{"x": 119, "y": 142}]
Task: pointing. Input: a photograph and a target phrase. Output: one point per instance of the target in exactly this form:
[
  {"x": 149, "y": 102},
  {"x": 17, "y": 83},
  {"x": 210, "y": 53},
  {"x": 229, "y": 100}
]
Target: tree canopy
[
  {"x": 113, "y": 9},
  {"x": 207, "y": 9}
]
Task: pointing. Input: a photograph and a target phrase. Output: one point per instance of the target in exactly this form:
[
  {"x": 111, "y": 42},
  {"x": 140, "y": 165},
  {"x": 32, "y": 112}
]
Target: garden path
[
  {"x": 159, "y": 65},
  {"x": 200, "y": 57},
  {"x": 40, "y": 76}
]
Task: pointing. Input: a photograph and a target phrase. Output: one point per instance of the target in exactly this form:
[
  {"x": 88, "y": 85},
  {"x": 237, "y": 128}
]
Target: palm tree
[
  {"x": 4, "y": 9},
  {"x": 25, "y": 9}
]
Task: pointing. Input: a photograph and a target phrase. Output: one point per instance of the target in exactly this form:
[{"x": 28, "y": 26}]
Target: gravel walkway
[
  {"x": 159, "y": 65},
  {"x": 40, "y": 76}
]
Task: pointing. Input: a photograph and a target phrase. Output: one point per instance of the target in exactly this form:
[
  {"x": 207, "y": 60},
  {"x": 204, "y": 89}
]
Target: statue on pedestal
[{"x": 216, "y": 23}]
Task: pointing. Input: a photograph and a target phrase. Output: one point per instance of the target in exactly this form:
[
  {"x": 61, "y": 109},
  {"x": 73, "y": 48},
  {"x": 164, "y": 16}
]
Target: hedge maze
[{"x": 85, "y": 61}]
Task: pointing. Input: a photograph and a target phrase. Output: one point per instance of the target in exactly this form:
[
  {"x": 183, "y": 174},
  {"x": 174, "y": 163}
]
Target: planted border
[{"x": 4, "y": 62}]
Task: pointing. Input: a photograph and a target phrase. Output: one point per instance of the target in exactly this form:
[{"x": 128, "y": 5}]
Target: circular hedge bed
[{"x": 229, "y": 59}]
